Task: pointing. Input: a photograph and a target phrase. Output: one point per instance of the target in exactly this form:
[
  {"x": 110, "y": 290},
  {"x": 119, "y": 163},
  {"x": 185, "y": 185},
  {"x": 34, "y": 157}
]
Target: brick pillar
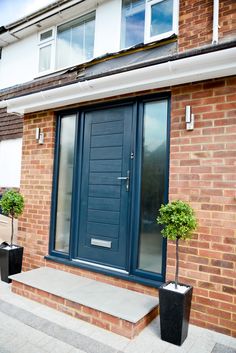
[{"x": 36, "y": 186}]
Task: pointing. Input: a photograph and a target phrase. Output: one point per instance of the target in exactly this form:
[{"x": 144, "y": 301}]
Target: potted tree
[
  {"x": 179, "y": 222},
  {"x": 12, "y": 205}
]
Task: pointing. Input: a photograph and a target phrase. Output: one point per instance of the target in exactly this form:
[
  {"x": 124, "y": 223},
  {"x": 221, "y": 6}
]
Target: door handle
[{"x": 127, "y": 178}]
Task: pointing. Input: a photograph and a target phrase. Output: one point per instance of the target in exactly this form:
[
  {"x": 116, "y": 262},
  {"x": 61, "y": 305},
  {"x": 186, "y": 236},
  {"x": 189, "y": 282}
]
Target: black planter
[
  {"x": 174, "y": 314},
  {"x": 10, "y": 262}
]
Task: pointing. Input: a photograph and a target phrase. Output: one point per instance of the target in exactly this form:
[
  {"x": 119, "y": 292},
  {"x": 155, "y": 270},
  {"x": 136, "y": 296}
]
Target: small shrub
[
  {"x": 179, "y": 222},
  {"x": 12, "y": 205}
]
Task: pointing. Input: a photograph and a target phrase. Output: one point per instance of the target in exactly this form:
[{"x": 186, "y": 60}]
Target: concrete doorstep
[
  {"x": 30, "y": 327},
  {"x": 116, "y": 309}
]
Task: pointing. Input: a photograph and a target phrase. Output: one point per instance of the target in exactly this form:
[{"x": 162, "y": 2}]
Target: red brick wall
[
  {"x": 227, "y": 20},
  {"x": 36, "y": 186},
  {"x": 196, "y": 22},
  {"x": 203, "y": 172}
]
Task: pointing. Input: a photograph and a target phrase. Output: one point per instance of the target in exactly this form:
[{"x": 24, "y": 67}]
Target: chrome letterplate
[{"x": 100, "y": 242}]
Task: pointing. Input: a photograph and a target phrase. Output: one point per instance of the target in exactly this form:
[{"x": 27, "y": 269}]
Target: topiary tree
[
  {"x": 12, "y": 205},
  {"x": 179, "y": 222}
]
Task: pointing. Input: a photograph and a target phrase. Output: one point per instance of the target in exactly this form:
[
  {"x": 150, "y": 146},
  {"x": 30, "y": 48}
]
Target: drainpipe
[{"x": 215, "y": 36}]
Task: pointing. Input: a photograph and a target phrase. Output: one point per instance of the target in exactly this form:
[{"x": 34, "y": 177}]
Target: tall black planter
[
  {"x": 10, "y": 262},
  {"x": 174, "y": 314}
]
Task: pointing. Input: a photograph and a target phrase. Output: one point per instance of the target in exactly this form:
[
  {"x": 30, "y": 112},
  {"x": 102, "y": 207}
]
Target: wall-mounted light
[
  {"x": 39, "y": 136},
  {"x": 189, "y": 118}
]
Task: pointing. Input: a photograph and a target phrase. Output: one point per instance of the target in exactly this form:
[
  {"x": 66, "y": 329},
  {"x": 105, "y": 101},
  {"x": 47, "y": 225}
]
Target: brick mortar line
[{"x": 68, "y": 336}]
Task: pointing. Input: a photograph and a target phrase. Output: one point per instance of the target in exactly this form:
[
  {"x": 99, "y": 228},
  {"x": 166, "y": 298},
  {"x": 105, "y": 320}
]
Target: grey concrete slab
[
  {"x": 221, "y": 348},
  {"x": 119, "y": 302}
]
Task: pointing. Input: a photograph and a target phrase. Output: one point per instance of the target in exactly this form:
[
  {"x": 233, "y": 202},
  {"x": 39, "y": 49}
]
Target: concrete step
[{"x": 116, "y": 309}]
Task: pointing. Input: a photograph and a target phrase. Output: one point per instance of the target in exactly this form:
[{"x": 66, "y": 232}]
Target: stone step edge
[{"x": 106, "y": 321}]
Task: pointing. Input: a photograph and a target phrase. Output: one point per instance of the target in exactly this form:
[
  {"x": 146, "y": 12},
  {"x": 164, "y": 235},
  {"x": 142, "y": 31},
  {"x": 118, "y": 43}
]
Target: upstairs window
[
  {"x": 144, "y": 21},
  {"x": 46, "y": 48},
  {"x": 75, "y": 41},
  {"x": 69, "y": 44},
  {"x": 133, "y": 18}
]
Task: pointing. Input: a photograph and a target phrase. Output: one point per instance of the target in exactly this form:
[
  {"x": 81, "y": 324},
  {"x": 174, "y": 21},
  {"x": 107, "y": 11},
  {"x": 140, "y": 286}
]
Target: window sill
[{"x": 159, "y": 37}]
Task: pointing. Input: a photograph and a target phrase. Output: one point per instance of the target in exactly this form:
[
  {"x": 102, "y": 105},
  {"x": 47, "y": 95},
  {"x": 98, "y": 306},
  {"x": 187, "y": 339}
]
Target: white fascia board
[{"x": 192, "y": 69}]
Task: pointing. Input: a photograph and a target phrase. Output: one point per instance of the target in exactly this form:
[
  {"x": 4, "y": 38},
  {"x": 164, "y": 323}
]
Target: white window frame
[
  {"x": 147, "y": 28},
  {"x": 56, "y": 40},
  {"x": 53, "y": 42},
  {"x": 44, "y": 43}
]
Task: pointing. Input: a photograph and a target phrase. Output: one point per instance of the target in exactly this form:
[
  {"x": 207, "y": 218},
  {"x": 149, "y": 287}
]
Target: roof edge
[{"x": 33, "y": 15}]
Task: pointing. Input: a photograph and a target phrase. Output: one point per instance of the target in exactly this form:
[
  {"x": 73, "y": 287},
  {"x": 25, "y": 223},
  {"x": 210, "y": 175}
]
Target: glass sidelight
[
  {"x": 154, "y": 176},
  {"x": 64, "y": 189}
]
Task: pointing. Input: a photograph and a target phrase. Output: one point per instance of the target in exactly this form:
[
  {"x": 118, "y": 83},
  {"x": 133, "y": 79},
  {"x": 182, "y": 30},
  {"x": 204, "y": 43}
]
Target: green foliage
[
  {"x": 12, "y": 203},
  {"x": 178, "y": 219}
]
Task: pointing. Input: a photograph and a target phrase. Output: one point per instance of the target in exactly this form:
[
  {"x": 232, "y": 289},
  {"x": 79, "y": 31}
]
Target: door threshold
[{"x": 101, "y": 266}]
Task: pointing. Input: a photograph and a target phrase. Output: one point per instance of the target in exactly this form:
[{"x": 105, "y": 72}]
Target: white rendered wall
[
  {"x": 19, "y": 62},
  {"x": 108, "y": 27},
  {"x": 10, "y": 162}
]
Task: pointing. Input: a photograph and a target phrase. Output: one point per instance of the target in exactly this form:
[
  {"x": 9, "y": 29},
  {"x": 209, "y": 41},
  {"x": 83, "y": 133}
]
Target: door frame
[{"x": 134, "y": 274}]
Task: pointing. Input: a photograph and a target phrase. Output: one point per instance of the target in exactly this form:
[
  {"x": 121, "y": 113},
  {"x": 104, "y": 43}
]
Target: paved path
[{"x": 29, "y": 327}]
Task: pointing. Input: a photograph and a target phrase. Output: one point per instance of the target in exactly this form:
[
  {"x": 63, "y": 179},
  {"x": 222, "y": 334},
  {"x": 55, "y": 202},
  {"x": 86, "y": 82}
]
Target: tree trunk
[
  {"x": 12, "y": 229},
  {"x": 177, "y": 263}
]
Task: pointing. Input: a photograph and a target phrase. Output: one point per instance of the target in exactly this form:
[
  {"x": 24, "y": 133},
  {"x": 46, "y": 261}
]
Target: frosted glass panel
[
  {"x": 67, "y": 141},
  {"x": 154, "y": 174}
]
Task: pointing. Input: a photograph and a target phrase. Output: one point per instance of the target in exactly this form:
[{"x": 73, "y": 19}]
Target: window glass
[
  {"x": 133, "y": 16},
  {"x": 64, "y": 193},
  {"x": 161, "y": 17},
  {"x": 75, "y": 41},
  {"x": 45, "y": 58},
  {"x": 154, "y": 174},
  {"x": 46, "y": 35}
]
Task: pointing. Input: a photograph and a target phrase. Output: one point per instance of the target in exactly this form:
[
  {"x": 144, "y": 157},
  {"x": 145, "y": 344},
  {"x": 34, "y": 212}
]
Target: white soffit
[{"x": 196, "y": 68}]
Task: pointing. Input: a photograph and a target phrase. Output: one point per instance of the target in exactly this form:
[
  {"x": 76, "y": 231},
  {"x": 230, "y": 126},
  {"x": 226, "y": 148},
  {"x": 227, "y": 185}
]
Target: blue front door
[{"x": 105, "y": 187}]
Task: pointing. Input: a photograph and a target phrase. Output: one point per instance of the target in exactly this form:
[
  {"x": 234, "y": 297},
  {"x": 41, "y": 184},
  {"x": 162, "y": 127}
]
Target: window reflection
[
  {"x": 161, "y": 17},
  {"x": 154, "y": 173},
  {"x": 133, "y": 15},
  {"x": 64, "y": 194}
]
